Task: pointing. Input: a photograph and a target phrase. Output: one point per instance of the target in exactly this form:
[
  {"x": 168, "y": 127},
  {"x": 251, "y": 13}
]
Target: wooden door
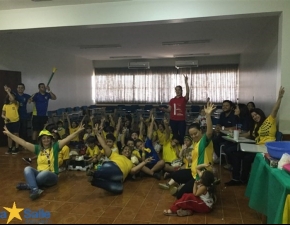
[{"x": 11, "y": 79}]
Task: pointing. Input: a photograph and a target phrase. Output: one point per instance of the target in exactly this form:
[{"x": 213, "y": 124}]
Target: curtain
[{"x": 157, "y": 85}]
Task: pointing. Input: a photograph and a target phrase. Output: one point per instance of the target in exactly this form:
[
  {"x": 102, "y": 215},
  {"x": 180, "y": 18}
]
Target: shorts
[
  {"x": 13, "y": 127},
  {"x": 38, "y": 122}
]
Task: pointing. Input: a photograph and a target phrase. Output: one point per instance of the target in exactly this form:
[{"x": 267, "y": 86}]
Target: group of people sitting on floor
[{"x": 124, "y": 152}]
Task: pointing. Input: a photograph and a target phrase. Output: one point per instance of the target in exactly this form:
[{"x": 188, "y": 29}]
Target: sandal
[
  {"x": 168, "y": 213},
  {"x": 23, "y": 186},
  {"x": 184, "y": 212}
]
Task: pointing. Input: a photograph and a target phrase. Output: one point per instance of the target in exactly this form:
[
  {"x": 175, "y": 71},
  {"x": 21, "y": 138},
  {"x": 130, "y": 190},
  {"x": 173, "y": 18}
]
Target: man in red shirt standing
[{"x": 177, "y": 110}]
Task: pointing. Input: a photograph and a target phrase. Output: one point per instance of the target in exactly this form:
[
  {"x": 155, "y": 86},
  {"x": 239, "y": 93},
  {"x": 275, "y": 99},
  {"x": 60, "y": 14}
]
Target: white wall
[
  {"x": 258, "y": 69},
  {"x": 71, "y": 82}
]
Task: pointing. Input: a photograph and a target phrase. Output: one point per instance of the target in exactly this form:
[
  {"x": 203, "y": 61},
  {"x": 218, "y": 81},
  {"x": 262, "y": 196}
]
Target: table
[
  {"x": 240, "y": 140},
  {"x": 253, "y": 148},
  {"x": 268, "y": 189}
]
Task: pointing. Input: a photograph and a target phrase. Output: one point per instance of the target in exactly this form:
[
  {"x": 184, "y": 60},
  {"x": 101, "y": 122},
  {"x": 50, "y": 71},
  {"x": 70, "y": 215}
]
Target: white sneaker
[{"x": 61, "y": 169}]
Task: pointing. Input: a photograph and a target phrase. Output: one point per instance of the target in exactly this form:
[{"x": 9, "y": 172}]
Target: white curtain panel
[{"x": 157, "y": 85}]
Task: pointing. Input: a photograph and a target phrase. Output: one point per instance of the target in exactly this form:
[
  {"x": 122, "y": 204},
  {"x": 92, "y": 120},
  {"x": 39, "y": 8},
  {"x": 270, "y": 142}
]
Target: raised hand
[
  {"x": 165, "y": 121},
  {"x": 185, "y": 78},
  {"x": 209, "y": 108},
  {"x": 281, "y": 92},
  {"x": 6, "y": 88},
  {"x": 6, "y": 131}
]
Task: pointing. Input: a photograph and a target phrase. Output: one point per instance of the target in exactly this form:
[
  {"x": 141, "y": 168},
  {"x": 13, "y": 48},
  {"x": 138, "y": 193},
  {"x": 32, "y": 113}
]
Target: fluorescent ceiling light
[
  {"x": 190, "y": 55},
  {"x": 186, "y": 42},
  {"x": 100, "y": 46},
  {"x": 125, "y": 57}
]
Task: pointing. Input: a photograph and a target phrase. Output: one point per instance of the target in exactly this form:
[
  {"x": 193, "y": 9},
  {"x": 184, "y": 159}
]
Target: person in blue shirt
[
  {"x": 228, "y": 121},
  {"x": 23, "y": 99},
  {"x": 40, "y": 100}
]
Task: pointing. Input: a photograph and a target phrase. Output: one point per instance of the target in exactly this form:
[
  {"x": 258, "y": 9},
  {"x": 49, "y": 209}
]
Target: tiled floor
[{"x": 74, "y": 200}]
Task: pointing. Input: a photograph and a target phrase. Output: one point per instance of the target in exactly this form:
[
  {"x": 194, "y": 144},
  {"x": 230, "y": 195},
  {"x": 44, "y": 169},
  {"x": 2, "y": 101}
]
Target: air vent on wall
[
  {"x": 190, "y": 55},
  {"x": 126, "y": 57},
  {"x": 186, "y": 64},
  {"x": 138, "y": 65},
  {"x": 100, "y": 46},
  {"x": 186, "y": 42}
]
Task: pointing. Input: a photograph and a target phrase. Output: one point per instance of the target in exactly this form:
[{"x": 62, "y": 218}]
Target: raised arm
[
  {"x": 112, "y": 122},
  {"x": 53, "y": 96},
  {"x": 117, "y": 130},
  {"x": 66, "y": 140},
  {"x": 8, "y": 91},
  {"x": 102, "y": 142},
  {"x": 141, "y": 125},
  {"x": 186, "y": 87},
  {"x": 68, "y": 120},
  {"x": 278, "y": 102},
  {"x": 208, "y": 110},
  {"x": 150, "y": 128},
  {"x": 19, "y": 140},
  {"x": 167, "y": 131}
]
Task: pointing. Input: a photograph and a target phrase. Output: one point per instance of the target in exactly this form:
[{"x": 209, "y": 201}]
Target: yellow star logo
[{"x": 14, "y": 212}]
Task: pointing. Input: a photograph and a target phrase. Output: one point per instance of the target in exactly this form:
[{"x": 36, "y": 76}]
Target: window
[{"x": 157, "y": 85}]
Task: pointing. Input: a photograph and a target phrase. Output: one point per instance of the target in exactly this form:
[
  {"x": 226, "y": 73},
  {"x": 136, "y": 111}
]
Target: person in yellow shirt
[
  {"x": 111, "y": 175},
  {"x": 11, "y": 118},
  {"x": 73, "y": 127},
  {"x": 202, "y": 153},
  {"x": 63, "y": 155},
  {"x": 93, "y": 150},
  {"x": 47, "y": 152},
  {"x": 186, "y": 155},
  {"x": 153, "y": 168},
  {"x": 264, "y": 131},
  {"x": 170, "y": 151}
]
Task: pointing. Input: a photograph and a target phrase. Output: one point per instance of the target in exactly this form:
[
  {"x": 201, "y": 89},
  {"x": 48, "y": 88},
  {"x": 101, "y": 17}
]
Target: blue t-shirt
[
  {"x": 22, "y": 110},
  {"x": 40, "y": 104},
  {"x": 244, "y": 123},
  {"x": 229, "y": 121},
  {"x": 153, "y": 153}
]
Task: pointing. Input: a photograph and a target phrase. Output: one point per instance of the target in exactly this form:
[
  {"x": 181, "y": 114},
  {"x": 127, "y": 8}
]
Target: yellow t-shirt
[
  {"x": 123, "y": 163},
  {"x": 92, "y": 152},
  {"x": 61, "y": 132},
  {"x": 86, "y": 135},
  {"x": 136, "y": 153},
  {"x": 63, "y": 155},
  {"x": 11, "y": 111},
  {"x": 47, "y": 159},
  {"x": 267, "y": 131},
  {"x": 169, "y": 153},
  {"x": 202, "y": 153},
  {"x": 71, "y": 131},
  {"x": 161, "y": 137}
]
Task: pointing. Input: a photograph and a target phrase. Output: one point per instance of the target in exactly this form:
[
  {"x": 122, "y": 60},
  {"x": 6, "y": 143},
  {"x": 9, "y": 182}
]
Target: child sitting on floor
[{"x": 202, "y": 198}]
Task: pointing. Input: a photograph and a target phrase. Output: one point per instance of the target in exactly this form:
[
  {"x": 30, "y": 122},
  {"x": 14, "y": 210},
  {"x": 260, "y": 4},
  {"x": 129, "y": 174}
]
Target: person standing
[
  {"x": 11, "y": 118},
  {"x": 40, "y": 100},
  {"x": 177, "y": 110},
  {"x": 23, "y": 99}
]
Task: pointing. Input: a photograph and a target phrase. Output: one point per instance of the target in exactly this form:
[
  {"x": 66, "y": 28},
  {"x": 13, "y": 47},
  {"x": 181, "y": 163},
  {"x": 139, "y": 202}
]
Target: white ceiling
[{"x": 228, "y": 36}]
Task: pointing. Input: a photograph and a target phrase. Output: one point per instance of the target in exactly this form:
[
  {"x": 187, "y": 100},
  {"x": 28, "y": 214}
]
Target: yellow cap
[{"x": 45, "y": 132}]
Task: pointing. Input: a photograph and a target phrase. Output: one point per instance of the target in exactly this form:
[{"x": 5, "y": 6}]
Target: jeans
[
  {"x": 36, "y": 179},
  {"x": 109, "y": 177}
]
